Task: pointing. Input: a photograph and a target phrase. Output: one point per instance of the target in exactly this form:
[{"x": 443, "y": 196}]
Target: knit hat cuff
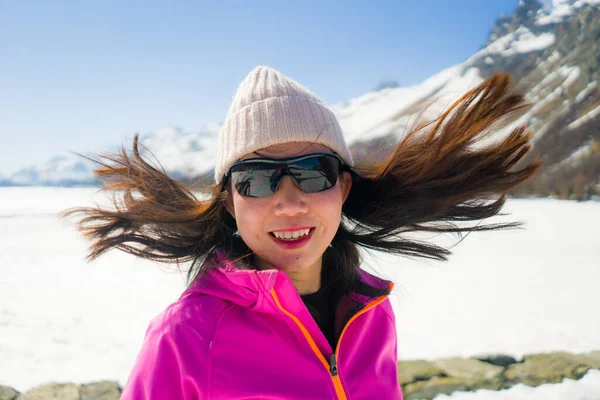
[{"x": 276, "y": 120}]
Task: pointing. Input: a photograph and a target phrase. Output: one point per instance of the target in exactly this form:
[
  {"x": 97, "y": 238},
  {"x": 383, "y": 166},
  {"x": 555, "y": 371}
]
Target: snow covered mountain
[
  {"x": 554, "y": 57},
  {"x": 58, "y": 171},
  {"x": 3, "y": 180},
  {"x": 183, "y": 154},
  {"x": 552, "y": 54}
]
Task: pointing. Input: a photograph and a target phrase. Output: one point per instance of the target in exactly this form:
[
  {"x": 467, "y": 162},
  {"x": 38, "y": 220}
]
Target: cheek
[
  {"x": 328, "y": 205},
  {"x": 249, "y": 214}
]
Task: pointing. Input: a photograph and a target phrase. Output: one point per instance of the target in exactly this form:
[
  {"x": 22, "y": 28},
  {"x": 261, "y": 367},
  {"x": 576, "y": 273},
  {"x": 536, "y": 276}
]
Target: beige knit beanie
[{"x": 269, "y": 109}]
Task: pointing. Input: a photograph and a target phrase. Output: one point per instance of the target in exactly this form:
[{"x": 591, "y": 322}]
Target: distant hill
[{"x": 552, "y": 54}]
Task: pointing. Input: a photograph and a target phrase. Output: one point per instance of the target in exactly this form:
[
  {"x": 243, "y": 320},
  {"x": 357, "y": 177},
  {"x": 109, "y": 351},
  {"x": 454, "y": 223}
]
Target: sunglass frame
[{"x": 284, "y": 161}]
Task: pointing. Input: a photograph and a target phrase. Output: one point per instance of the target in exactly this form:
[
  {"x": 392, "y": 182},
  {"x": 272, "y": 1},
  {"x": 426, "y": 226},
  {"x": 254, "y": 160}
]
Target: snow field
[{"x": 515, "y": 292}]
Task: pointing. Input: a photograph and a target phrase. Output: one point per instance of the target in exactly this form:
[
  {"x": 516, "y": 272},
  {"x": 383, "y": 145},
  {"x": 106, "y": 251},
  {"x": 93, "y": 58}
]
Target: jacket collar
[{"x": 252, "y": 288}]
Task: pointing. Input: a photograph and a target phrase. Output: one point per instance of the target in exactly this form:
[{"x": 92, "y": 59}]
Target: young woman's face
[{"x": 289, "y": 209}]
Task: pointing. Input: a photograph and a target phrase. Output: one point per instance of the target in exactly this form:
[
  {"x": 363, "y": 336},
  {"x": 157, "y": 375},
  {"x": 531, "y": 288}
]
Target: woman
[{"x": 277, "y": 306}]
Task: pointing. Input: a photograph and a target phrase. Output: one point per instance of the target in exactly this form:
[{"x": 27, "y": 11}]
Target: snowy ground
[{"x": 517, "y": 292}]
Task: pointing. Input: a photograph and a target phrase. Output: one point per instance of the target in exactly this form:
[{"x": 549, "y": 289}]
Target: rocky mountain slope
[
  {"x": 552, "y": 54},
  {"x": 560, "y": 74}
]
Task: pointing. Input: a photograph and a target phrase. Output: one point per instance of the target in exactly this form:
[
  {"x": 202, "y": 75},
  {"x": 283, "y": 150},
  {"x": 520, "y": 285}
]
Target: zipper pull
[{"x": 333, "y": 365}]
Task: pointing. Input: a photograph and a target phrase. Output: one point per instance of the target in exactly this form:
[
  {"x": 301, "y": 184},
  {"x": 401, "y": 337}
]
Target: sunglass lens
[
  {"x": 254, "y": 180},
  {"x": 316, "y": 174}
]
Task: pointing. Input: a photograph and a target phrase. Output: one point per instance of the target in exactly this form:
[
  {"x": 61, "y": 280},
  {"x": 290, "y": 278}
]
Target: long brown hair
[{"x": 439, "y": 178}]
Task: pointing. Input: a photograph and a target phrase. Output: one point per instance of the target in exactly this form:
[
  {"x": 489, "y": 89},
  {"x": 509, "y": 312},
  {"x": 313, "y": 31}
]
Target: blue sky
[{"x": 84, "y": 75}]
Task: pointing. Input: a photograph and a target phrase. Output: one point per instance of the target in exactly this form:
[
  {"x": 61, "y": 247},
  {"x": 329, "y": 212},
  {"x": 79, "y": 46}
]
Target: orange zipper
[
  {"x": 332, "y": 365},
  {"x": 339, "y": 390}
]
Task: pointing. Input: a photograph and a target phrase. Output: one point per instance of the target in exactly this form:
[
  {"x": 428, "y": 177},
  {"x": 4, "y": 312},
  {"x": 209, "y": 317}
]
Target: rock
[
  {"x": 500, "y": 360},
  {"x": 429, "y": 389},
  {"x": 419, "y": 379},
  {"x": 104, "y": 390},
  {"x": 474, "y": 373},
  {"x": 417, "y": 370},
  {"x": 592, "y": 359},
  {"x": 548, "y": 368},
  {"x": 8, "y": 393},
  {"x": 52, "y": 391}
]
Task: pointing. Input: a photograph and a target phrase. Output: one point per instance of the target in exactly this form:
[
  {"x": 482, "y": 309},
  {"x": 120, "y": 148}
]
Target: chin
[{"x": 291, "y": 264}]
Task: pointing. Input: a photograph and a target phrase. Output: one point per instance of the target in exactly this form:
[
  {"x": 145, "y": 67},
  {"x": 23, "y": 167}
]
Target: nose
[{"x": 289, "y": 199}]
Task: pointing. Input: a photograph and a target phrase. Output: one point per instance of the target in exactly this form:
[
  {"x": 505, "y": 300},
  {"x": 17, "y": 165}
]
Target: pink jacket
[{"x": 246, "y": 334}]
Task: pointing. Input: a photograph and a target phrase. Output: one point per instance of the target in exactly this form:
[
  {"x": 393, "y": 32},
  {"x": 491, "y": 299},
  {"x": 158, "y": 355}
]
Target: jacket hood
[{"x": 243, "y": 287}]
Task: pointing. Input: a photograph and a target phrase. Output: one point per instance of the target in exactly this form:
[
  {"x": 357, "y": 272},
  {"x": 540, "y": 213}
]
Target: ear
[
  {"x": 229, "y": 204},
  {"x": 345, "y": 184}
]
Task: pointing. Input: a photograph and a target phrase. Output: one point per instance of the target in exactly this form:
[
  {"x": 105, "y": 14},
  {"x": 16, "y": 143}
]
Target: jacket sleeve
[{"x": 172, "y": 364}]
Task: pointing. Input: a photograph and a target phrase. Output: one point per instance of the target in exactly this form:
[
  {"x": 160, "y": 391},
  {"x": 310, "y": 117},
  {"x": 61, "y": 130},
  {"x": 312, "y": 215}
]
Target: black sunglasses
[{"x": 260, "y": 177}]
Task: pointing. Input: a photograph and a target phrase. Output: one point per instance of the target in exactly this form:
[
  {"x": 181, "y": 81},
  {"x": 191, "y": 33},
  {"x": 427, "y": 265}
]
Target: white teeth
[{"x": 291, "y": 235}]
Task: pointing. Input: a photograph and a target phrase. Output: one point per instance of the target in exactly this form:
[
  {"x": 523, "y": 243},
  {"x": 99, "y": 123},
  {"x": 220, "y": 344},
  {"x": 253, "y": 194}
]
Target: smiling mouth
[{"x": 291, "y": 236}]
